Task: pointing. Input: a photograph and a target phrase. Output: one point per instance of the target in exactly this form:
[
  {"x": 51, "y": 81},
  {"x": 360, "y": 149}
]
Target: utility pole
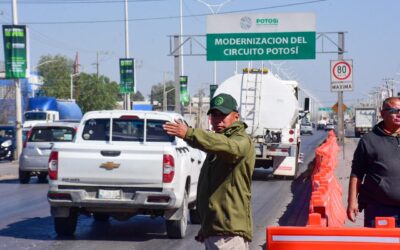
[
  {"x": 18, "y": 98},
  {"x": 127, "y": 96},
  {"x": 199, "y": 109},
  {"x": 178, "y": 72},
  {"x": 97, "y": 64}
]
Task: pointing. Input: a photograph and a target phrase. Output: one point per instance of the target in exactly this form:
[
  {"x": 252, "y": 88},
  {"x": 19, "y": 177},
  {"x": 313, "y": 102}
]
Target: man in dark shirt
[{"x": 375, "y": 174}]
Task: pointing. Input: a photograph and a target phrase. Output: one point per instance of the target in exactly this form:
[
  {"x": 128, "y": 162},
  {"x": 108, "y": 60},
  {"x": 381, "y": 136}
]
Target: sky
[{"x": 96, "y": 27}]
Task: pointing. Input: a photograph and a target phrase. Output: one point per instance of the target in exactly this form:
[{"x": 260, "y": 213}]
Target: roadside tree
[
  {"x": 157, "y": 94},
  {"x": 90, "y": 91}
]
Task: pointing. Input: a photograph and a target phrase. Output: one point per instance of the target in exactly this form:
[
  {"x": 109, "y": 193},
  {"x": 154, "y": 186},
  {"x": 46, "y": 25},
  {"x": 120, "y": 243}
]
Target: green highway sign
[
  {"x": 213, "y": 88},
  {"x": 261, "y": 46},
  {"x": 14, "y": 37},
  {"x": 267, "y": 36},
  {"x": 126, "y": 69},
  {"x": 184, "y": 94},
  {"x": 327, "y": 109}
]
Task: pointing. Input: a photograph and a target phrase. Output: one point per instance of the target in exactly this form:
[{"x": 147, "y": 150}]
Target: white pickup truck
[{"x": 121, "y": 164}]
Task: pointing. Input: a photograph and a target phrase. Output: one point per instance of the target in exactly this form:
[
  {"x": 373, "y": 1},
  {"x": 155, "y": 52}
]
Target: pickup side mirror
[{"x": 306, "y": 104}]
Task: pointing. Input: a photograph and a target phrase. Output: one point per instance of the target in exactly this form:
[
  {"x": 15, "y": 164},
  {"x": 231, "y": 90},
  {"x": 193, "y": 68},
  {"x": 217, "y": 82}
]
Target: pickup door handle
[{"x": 110, "y": 153}]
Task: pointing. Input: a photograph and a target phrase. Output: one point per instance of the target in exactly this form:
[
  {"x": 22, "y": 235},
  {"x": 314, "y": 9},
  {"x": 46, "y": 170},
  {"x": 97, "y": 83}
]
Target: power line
[
  {"x": 37, "y": 2},
  {"x": 175, "y": 17}
]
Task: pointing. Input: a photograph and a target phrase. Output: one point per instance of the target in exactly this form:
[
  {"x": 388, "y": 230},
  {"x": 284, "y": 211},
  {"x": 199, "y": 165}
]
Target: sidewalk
[
  {"x": 343, "y": 173},
  {"x": 8, "y": 170}
]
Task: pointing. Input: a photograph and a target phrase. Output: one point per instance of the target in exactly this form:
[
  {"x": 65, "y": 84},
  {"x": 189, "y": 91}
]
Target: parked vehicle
[
  {"x": 321, "y": 124},
  {"x": 38, "y": 145},
  {"x": 365, "y": 120},
  {"x": 7, "y": 142},
  {"x": 270, "y": 108},
  {"x": 306, "y": 128},
  {"x": 123, "y": 164},
  {"x": 329, "y": 126},
  {"x": 50, "y": 109}
]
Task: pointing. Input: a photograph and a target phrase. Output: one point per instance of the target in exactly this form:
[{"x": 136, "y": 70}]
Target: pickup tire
[
  {"x": 194, "y": 216},
  {"x": 24, "y": 177},
  {"x": 101, "y": 217},
  {"x": 176, "y": 229},
  {"x": 42, "y": 177},
  {"x": 66, "y": 226}
]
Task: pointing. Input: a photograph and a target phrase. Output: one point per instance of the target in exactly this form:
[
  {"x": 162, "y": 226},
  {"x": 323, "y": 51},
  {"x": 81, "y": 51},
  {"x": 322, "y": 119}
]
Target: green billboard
[
  {"x": 126, "y": 70},
  {"x": 184, "y": 94},
  {"x": 14, "y": 37}
]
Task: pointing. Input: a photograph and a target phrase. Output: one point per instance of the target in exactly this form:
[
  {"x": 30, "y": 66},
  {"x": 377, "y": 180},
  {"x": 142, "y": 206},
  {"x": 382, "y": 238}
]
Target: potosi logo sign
[{"x": 267, "y": 21}]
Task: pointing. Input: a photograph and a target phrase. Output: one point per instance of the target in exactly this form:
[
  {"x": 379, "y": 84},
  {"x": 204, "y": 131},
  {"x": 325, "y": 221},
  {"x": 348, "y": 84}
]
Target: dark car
[
  {"x": 321, "y": 126},
  {"x": 7, "y": 142}
]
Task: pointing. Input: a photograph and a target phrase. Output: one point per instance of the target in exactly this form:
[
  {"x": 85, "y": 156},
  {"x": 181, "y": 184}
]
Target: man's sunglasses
[{"x": 392, "y": 110}]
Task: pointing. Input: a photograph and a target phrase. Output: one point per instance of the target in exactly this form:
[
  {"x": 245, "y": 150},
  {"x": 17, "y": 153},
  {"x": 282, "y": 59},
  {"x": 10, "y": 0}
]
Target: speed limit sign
[{"x": 342, "y": 75}]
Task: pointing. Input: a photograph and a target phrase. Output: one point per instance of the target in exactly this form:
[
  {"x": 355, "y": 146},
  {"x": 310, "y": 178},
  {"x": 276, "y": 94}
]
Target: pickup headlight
[{"x": 6, "y": 144}]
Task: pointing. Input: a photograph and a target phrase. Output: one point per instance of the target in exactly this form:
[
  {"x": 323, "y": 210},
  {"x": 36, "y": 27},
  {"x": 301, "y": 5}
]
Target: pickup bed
[{"x": 121, "y": 164}]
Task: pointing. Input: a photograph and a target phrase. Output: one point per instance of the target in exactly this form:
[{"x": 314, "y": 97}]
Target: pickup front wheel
[
  {"x": 176, "y": 229},
  {"x": 66, "y": 226}
]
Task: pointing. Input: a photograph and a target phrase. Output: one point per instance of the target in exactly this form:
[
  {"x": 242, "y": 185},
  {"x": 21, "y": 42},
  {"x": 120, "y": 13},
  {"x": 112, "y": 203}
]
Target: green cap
[{"x": 224, "y": 103}]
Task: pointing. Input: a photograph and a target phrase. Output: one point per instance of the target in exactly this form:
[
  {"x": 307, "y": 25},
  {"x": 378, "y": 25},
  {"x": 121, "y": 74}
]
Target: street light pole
[
  {"x": 18, "y": 97},
  {"x": 165, "y": 93},
  {"x": 127, "y": 96}
]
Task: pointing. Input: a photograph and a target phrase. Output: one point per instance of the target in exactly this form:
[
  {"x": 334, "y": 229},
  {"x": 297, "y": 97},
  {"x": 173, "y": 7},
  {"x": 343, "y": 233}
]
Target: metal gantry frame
[{"x": 327, "y": 42}]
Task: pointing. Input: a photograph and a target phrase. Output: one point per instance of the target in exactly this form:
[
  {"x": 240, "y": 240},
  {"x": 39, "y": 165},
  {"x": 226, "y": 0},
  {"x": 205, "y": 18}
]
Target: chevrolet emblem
[{"x": 109, "y": 165}]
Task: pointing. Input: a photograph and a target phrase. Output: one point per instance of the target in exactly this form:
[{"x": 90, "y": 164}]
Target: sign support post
[{"x": 340, "y": 96}]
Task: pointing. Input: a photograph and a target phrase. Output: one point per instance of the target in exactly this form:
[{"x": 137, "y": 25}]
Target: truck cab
[{"x": 37, "y": 116}]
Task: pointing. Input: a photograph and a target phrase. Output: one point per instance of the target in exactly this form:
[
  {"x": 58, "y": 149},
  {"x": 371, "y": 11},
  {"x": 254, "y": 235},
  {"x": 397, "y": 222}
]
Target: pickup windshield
[{"x": 131, "y": 129}]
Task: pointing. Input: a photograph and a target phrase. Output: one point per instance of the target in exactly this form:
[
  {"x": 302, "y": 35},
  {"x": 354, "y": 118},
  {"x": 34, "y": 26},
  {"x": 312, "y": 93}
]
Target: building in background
[{"x": 29, "y": 88}]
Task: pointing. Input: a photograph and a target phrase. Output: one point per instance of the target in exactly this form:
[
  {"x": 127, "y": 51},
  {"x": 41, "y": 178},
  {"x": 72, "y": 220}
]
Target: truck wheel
[
  {"x": 194, "y": 216},
  {"x": 176, "y": 229},
  {"x": 24, "y": 177},
  {"x": 66, "y": 226},
  {"x": 101, "y": 217},
  {"x": 42, "y": 177}
]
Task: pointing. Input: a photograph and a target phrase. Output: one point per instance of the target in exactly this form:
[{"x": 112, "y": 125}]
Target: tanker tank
[{"x": 276, "y": 103}]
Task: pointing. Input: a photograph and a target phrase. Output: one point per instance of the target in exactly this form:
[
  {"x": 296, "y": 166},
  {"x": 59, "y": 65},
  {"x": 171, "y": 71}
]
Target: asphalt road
[{"x": 25, "y": 221}]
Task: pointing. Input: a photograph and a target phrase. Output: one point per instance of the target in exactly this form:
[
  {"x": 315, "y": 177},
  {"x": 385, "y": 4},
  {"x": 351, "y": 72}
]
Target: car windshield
[
  {"x": 32, "y": 116},
  {"x": 52, "y": 134},
  {"x": 126, "y": 129}
]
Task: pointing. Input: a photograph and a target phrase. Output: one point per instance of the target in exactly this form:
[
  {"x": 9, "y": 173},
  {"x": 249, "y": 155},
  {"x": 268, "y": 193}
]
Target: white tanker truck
[{"x": 270, "y": 108}]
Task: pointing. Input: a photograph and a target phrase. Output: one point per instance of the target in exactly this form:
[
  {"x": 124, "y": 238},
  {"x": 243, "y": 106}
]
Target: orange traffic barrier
[
  {"x": 317, "y": 238},
  {"x": 326, "y": 196},
  {"x": 327, "y": 215}
]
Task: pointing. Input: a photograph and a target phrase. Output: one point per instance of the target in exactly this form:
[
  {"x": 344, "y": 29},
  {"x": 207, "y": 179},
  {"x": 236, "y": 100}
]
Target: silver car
[
  {"x": 306, "y": 128},
  {"x": 38, "y": 145}
]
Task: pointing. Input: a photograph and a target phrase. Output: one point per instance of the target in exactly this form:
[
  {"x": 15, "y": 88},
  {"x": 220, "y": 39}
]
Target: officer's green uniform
[{"x": 224, "y": 188}]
